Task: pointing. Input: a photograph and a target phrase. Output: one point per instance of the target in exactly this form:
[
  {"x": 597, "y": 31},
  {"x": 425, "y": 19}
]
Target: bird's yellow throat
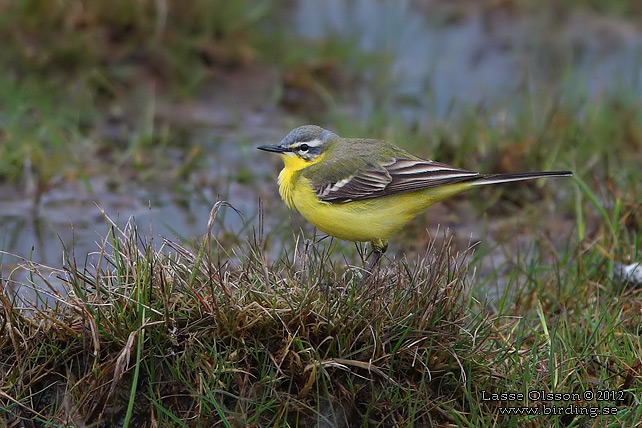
[{"x": 289, "y": 176}]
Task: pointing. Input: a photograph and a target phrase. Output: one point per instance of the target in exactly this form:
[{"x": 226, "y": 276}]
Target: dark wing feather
[{"x": 396, "y": 176}]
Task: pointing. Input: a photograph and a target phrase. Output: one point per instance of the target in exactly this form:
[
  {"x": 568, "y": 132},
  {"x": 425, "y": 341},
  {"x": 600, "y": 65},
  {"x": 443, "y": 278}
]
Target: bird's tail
[{"x": 505, "y": 178}]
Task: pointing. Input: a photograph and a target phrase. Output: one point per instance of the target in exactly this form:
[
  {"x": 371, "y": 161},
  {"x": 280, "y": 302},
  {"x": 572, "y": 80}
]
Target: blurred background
[{"x": 154, "y": 108}]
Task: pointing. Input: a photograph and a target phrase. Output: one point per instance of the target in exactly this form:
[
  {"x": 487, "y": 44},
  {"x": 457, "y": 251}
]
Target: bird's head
[{"x": 302, "y": 146}]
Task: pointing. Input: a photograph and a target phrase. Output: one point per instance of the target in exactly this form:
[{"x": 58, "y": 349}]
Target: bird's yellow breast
[{"x": 374, "y": 219}]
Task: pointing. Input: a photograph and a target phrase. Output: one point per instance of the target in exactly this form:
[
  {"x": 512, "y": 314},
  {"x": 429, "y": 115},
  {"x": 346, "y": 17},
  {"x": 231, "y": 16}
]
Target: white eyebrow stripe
[{"x": 312, "y": 143}]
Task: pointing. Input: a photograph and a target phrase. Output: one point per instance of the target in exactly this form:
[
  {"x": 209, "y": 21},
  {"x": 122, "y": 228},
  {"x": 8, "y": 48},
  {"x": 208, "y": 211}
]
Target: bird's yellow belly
[{"x": 365, "y": 220}]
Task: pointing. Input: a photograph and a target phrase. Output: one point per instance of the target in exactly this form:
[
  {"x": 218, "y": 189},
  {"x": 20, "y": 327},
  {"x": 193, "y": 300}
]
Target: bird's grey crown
[{"x": 306, "y": 133}]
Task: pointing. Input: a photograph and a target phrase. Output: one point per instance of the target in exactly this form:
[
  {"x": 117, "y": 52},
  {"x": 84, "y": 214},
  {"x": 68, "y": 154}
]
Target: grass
[
  {"x": 233, "y": 339},
  {"x": 222, "y": 336},
  {"x": 73, "y": 37},
  {"x": 80, "y": 78}
]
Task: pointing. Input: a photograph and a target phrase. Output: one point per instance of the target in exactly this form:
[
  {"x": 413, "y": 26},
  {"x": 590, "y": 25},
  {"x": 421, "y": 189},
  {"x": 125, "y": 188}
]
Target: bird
[{"x": 366, "y": 190}]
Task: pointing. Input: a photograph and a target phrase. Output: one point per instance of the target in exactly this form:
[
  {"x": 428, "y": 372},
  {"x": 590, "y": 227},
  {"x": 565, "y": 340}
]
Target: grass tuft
[
  {"x": 225, "y": 336},
  {"x": 142, "y": 336}
]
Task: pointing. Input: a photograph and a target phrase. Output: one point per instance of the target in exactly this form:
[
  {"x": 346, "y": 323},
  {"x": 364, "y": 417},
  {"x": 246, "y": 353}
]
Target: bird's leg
[
  {"x": 379, "y": 248},
  {"x": 377, "y": 252}
]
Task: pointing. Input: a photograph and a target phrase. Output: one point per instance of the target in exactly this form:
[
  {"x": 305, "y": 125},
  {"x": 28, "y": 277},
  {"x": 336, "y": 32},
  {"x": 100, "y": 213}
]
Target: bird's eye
[{"x": 304, "y": 147}]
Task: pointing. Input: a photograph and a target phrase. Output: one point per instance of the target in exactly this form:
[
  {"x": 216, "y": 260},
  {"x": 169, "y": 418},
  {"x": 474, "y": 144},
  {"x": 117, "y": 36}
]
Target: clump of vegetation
[
  {"x": 138, "y": 336},
  {"x": 171, "y": 335}
]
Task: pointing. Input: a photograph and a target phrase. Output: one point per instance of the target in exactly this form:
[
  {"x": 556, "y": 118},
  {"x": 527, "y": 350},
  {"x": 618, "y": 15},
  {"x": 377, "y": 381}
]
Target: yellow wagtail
[{"x": 360, "y": 189}]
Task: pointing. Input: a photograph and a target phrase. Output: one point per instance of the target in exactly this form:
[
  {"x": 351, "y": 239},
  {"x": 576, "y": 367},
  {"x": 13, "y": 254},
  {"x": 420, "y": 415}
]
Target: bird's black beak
[{"x": 275, "y": 149}]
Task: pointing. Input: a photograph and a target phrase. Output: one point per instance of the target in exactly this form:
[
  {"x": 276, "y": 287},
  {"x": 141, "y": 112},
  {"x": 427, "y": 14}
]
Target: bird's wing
[{"x": 372, "y": 180}]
